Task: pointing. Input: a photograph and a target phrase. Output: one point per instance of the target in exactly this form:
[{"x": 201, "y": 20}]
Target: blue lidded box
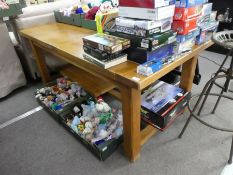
[
  {"x": 149, "y": 68},
  {"x": 189, "y": 3}
]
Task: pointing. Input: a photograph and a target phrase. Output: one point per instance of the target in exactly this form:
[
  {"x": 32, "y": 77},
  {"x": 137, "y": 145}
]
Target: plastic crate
[
  {"x": 88, "y": 24},
  {"x": 73, "y": 19}
]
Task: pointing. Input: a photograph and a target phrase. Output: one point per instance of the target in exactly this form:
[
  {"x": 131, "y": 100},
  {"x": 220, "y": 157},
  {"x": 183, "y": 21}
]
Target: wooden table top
[{"x": 67, "y": 40}]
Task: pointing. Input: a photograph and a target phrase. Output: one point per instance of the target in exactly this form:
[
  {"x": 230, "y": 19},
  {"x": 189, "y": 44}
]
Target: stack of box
[
  {"x": 148, "y": 25},
  {"x": 105, "y": 50},
  {"x": 207, "y": 24},
  {"x": 185, "y": 23}
]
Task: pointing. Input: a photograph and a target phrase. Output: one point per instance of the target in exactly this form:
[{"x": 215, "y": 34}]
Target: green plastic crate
[
  {"x": 88, "y": 24},
  {"x": 63, "y": 19}
]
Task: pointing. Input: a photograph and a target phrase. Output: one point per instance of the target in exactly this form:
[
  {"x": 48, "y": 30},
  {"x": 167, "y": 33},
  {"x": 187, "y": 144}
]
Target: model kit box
[
  {"x": 183, "y": 38},
  {"x": 162, "y": 103},
  {"x": 185, "y": 27},
  {"x": 164, "y": 24},
  {"x": 138, "y": 31},
  {"x": 105, "y": 21},
  {"x": 146, "y": 3},
  {"x": 207, "y": 9},
  {"x": 108, "y": 43},
  {"x": 187, "y": 13},
  {"x": 207, "y": 32},
  {"x": 149, "y": 67},
  {"x": 189, "y": 3},
  {"x": 185, "y": 46},
  {"x": 141, "y": 56},
  {"x": 145, "y": 13}
]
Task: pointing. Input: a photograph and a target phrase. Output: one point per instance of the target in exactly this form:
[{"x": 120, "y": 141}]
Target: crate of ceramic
[
  {"x": 72, "y": 19},
  {"x": 11, "y": 8},
  {"x": 87, "y": 23},
  {"x": 97, "y": 125},
  {"x": 60, "y": 95}
]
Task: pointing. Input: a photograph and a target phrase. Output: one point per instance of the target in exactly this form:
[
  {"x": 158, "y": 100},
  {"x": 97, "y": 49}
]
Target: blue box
[
  {"x": 139, "y": 55},
  {"x": 183, "y": 38},
  {"x": 149, "y": 68},
  {"x": 189, "y": 3}
]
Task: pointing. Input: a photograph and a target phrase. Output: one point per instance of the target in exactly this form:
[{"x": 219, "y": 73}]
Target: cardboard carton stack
[
  {"x": 190, "y": 21},
  {"x": 148, "y": 25}
]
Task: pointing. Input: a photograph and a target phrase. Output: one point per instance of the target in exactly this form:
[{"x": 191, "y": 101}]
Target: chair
[{"x": 223, "y": 39}]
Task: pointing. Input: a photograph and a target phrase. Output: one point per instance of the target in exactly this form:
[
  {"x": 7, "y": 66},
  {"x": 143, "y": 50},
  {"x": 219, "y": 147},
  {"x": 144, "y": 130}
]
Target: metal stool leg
[
  {"x": 216, "y": 105},
  {"x": 210, "y": 87},
  {"x": 196, "y": 105},
  {"x": 231, "y": 152}
]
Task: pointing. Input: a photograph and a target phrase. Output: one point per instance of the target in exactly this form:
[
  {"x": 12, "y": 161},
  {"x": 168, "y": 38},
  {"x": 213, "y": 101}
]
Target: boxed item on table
[
  {"x": 207, "y": 32},
  {"x": 183, "y": 38},
  {"x": 146, "y": 3},
  {"x": 162, "y": 103},
  {"x": 185, "y": 27},
  {"x": 207, "y": 9},
  {"x": 213, "y": 15},
  {"x": 149, "y": 67},
  {"x": 138, "y": 31},
  {"x": 189, "y": 3},
  {"x": 150, "y": 43},
  {"x": 185, "y": 46},
  {"x": 202, "y": 20},
  {"x": 164, "y": 24},
  {"x": 108, "y": 43},
  {"x": 105, "y": 21},
  {"x": 145, "y": 13},
  {"x": 187, "y": 13},
  {"x": 96, "y": 124},
  {"x": 139, "y": 55}
]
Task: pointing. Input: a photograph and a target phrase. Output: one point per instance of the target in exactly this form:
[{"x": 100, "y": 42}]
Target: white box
[{"x": 150, "y": 14}]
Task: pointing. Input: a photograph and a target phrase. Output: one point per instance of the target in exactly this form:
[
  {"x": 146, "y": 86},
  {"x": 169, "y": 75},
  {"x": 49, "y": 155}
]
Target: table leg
[
  {"x": 40, "y": 60},
  {"x": 131, "y": 105},
  {"x": 187, "y": 74}
]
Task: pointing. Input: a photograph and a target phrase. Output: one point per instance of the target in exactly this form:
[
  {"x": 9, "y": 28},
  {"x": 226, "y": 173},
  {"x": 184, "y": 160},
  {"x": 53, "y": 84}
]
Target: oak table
[{"x": 65, "y": 42}]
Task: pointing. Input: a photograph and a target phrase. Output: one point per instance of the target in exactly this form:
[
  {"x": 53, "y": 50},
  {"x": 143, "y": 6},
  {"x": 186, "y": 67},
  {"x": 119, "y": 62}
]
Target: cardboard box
[
  {"x": 183, "y": 38},
  {"x": 185, "y": 46},
  {"x": 146, "y": 3},
  {"x": 105, "y": 21},
  {"x": 145, "y": 13},
  {"x": 187, "y": 13},
  {"x": 185, "y": 27},
  {"x": 207, "y": 9},
  {"x": 189, "y": 3},
  {"x": 162, "y": 103},
  {"x": 139, "y": 55},
  {"x": 164, "y": 24},
  {"x": 207, "y": 32}
]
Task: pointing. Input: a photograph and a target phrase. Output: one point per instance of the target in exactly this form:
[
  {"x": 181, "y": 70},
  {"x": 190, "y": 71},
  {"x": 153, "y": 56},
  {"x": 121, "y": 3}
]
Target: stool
[{"x": 224, "y": 39}]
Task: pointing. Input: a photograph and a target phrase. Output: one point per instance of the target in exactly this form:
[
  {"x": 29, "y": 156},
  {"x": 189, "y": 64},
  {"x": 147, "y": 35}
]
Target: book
[
  {"x": 105, "y": 63},
  {"x": 108, "y": 43}
]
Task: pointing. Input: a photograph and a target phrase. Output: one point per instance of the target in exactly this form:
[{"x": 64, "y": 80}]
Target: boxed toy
[
  {"x": 105, "y": 21},
  {"x": 96, "y": 124},
  {"x": 149, "y": 44},
  {"x": 207, "y": 32},
  {"x": 149, "y": 67},
  {"x": 138, "y": 31},
  {"x": 162, "y": 103},
  {"x": 146, "y": 3},
  {"x": 185, "y": 27},
  {"x": 183, "y": 38},
  {"x": 185, "y": 46},
  {"x": 164, "y": 24},
  {"x": 145, "y": 13},
  {"x": 189, "y": 3},
  {"x": 207, "y": 9},
  {"x": 139, "y": 55},
  {"x": 187, "y": 13},
  {"x": 108, "y": 43}
]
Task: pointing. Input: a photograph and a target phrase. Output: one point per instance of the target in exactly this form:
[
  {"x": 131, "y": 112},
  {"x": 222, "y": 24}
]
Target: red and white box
[
  {"x": 185, "y": 27},
  {"x": 146, "y": 13},
  {"x": 146, "y": 3},
  {"x": 187, "y": 13}
]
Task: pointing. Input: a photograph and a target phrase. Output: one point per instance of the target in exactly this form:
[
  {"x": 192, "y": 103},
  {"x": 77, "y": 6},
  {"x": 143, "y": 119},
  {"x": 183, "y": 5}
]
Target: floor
[{"x": 37, "y": 145}]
